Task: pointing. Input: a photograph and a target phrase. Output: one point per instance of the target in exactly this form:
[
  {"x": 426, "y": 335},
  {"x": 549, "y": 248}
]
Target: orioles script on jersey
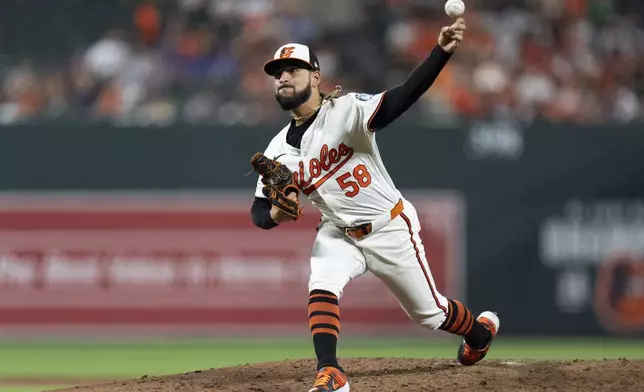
[{"x": 330, "y": 162}]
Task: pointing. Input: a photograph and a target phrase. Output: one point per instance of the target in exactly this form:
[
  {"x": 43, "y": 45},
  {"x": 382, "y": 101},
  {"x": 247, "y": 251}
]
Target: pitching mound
[{"x": 394, "y": 374}]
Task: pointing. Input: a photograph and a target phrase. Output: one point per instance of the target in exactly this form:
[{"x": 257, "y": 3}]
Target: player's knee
[{"x": 431, "y": 320}]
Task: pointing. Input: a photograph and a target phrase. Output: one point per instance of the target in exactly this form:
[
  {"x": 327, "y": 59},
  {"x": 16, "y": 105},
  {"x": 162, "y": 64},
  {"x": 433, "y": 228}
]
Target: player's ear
[{"x": 316, "y": 78}]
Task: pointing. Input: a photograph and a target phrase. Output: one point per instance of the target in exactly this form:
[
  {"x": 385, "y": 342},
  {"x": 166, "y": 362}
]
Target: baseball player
[{"x": 328, "y": 152}]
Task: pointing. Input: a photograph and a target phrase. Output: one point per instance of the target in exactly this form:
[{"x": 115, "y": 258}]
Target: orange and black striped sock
[
  {"x": 324, "y": 320},
  {"x": 460, "y": 321}
]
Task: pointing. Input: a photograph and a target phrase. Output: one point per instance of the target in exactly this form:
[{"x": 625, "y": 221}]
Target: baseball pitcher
[{"x": 329, "y": 153}]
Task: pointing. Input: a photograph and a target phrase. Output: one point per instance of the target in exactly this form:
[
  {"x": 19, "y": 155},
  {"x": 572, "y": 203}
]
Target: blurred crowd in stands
[{"x": 155, "y": 62}]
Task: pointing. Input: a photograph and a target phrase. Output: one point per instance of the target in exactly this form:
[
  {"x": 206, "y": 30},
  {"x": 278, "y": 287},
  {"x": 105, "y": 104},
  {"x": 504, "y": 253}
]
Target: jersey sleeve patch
[
  {"x": 364, "y": 97},
  {"x": 366, "y": 105}
]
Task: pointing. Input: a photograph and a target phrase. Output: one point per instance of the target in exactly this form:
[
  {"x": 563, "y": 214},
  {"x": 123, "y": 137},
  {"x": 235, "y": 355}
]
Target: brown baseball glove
[{"x": 278, "y": 184}]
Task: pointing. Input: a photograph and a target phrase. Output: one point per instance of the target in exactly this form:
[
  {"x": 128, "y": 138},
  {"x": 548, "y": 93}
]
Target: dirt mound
[{"x": 397, "y": 374}]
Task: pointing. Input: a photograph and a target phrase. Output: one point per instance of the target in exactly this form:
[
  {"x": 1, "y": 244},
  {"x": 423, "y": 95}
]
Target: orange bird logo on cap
[{"x": 286, "y": 52}]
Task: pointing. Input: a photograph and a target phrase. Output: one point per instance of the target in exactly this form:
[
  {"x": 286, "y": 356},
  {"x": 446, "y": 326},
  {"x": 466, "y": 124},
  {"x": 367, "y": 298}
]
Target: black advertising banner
[
  {"x": 556, "y": 229},
  {"x": 554, "y": 214}
]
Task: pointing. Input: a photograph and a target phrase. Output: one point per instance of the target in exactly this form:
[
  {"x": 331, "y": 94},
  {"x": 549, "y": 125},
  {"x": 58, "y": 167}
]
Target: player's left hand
[{"x": 450, "y": 37}]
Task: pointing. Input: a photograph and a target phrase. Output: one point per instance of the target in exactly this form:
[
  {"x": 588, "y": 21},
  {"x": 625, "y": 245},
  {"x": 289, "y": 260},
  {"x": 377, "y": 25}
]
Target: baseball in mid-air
[{"x": 454, "y": 8}]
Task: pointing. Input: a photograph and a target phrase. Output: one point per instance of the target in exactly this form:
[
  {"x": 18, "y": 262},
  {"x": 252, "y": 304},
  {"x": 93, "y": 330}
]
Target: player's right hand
[{"x": 450, "y": 37}]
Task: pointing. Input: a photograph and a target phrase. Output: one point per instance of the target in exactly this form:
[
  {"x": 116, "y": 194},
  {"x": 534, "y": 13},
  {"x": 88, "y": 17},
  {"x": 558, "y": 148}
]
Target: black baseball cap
[{"x": 293, "y": 53}]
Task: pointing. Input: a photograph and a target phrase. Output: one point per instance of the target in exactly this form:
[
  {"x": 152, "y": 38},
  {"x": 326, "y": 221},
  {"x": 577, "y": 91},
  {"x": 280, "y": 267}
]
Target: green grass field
[{"x": 110, "y": 361}]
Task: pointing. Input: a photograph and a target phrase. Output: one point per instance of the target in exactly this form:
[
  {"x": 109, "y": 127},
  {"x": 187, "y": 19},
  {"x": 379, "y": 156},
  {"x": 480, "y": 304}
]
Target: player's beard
[{"x": 290, "y": 102}]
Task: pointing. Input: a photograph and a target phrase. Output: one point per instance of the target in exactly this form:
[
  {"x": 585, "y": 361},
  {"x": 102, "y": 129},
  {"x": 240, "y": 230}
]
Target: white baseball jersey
[{"x": 339, "y": 166}]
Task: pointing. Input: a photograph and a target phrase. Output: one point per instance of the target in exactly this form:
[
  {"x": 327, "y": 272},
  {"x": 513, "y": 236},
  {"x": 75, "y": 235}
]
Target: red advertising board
[{"x": 186, "y": 261}]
